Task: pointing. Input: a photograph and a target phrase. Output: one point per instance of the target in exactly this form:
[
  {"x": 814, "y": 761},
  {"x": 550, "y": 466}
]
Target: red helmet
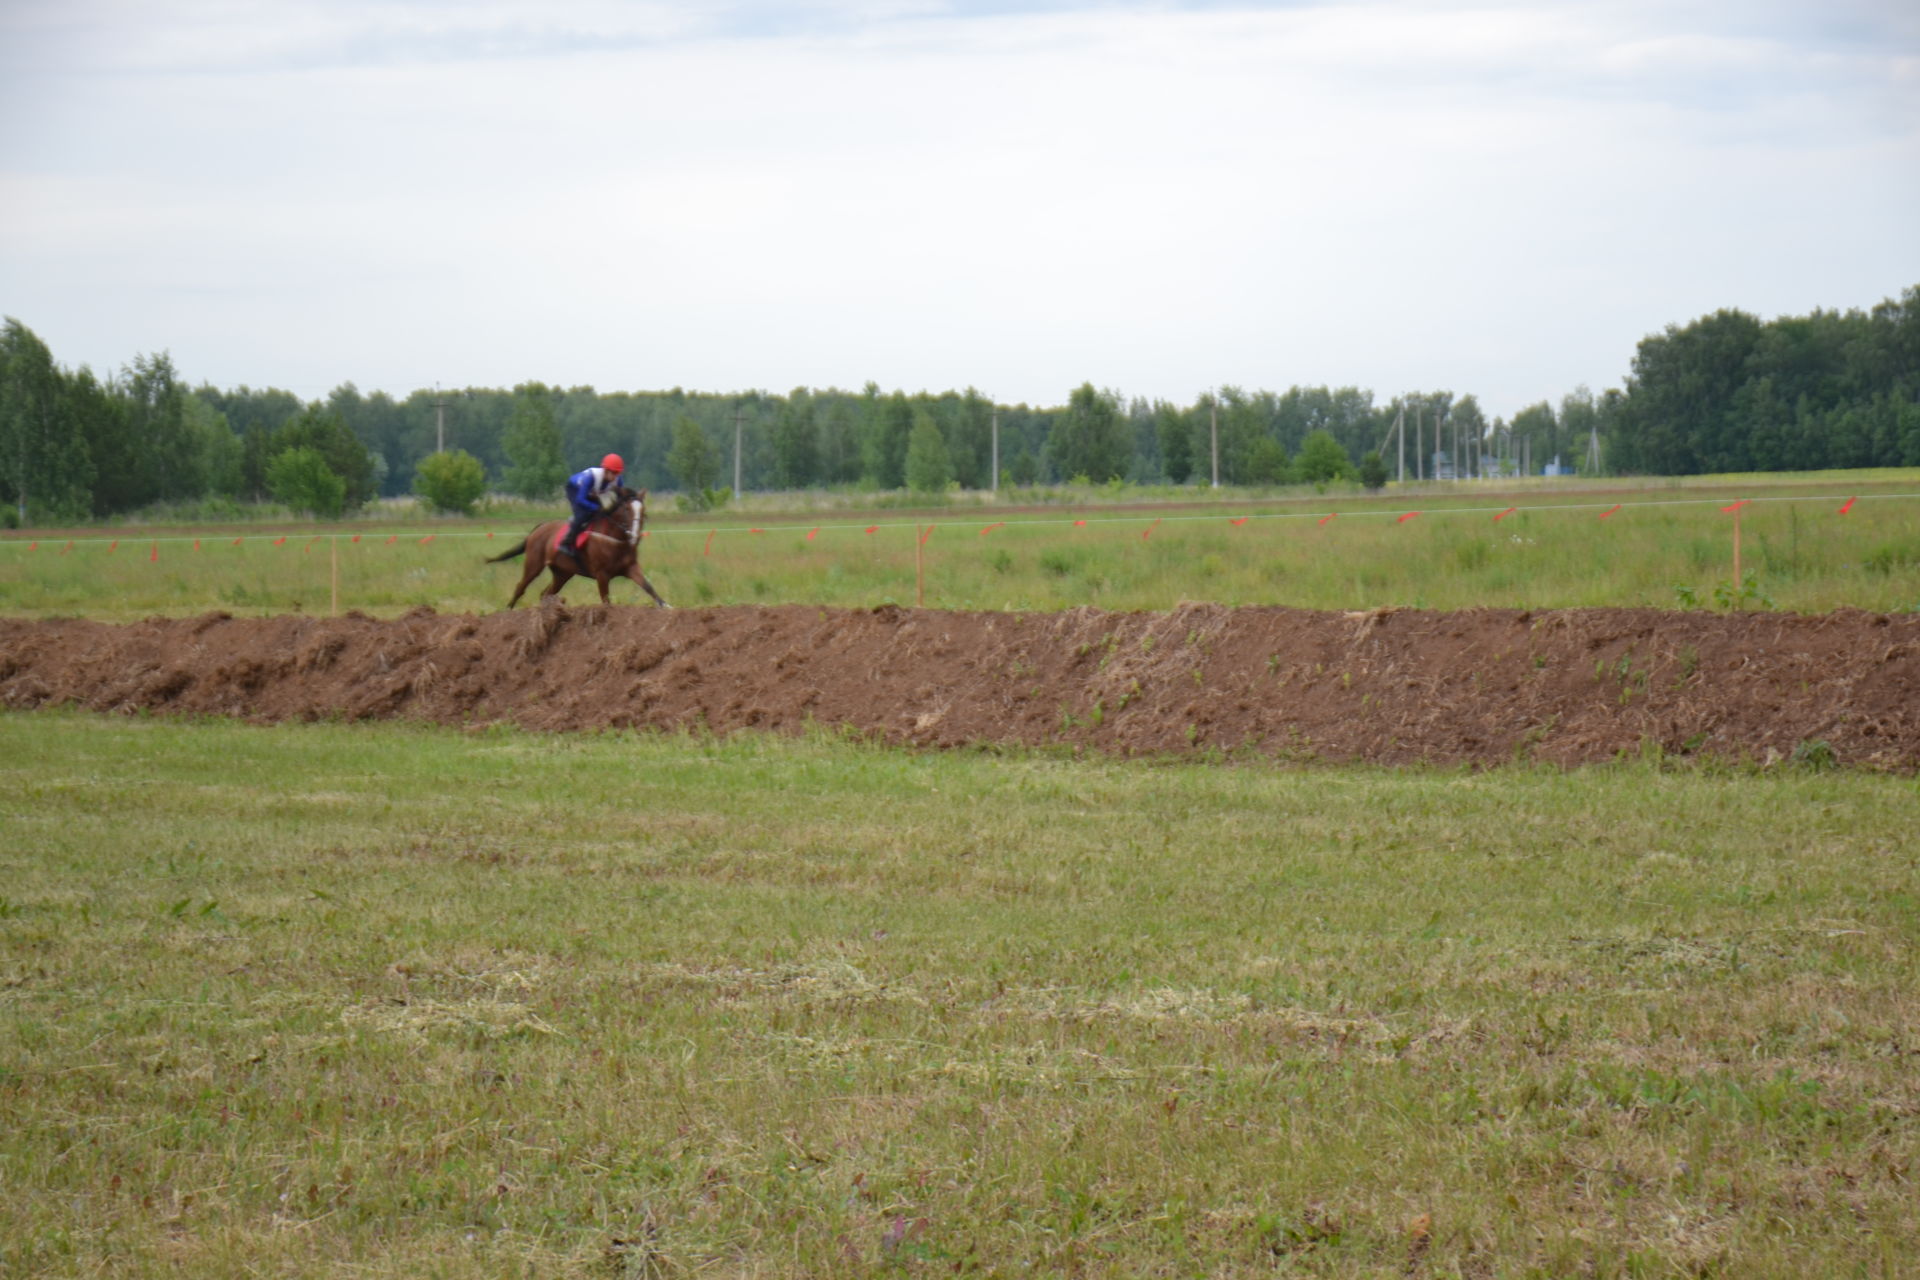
[{"x": 612, "y": 463}]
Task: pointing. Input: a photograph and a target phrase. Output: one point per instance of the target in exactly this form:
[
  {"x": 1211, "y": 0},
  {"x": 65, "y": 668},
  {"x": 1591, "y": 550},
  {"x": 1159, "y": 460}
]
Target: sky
[{"x": 1494, "y": 198}]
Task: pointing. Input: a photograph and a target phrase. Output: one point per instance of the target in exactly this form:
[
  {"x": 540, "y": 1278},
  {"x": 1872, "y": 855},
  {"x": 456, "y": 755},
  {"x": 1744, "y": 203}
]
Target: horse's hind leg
[
  {"x": 527, "y": 575},
  {"x": 560, "y": 579}
]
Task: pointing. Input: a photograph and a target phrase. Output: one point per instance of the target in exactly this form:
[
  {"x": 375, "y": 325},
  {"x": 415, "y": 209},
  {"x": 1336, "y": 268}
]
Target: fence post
[{"x": 1736, "y": 553}]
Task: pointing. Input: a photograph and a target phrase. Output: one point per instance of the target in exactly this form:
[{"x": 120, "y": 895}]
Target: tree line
[{"x": 1727, "y": 392}]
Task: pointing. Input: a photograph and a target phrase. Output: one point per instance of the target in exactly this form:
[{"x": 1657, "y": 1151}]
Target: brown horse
[{"x": 611, "y": 550}]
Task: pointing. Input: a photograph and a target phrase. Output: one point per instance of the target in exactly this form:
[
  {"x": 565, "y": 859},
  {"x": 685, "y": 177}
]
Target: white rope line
[{"x": 788, "y": 525}]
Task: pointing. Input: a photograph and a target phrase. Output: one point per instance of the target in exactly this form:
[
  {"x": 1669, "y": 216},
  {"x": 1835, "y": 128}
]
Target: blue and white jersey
[{"x": 585, "y": 487}]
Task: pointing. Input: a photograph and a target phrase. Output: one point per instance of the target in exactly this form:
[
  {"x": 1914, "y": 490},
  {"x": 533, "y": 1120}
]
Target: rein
[{"x": 637, "y": 511}]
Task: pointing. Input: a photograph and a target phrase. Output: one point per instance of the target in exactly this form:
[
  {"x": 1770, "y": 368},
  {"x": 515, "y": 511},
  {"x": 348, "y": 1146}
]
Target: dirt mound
[{"x": 1484, "y": 686}]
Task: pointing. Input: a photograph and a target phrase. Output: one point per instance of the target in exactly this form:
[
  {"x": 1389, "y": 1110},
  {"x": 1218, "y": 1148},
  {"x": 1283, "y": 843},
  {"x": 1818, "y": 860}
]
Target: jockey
[{"x": 590, "y": 492}]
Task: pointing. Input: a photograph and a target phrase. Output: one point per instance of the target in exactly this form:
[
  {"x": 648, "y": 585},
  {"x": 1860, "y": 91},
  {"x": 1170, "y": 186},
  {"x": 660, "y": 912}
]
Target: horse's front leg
[
  {"x": 641, "y": 578},
  {"x": 604, "y": 582}
]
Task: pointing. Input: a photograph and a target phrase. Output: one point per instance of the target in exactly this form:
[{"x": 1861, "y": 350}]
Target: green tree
[
  {"x": 531, "y": 442},
  {"x": 928, "y": 467},
  {"x": 326, "y": 433},
  {"x": 1579, "y": 424},
  {"x": 1373, "y": 471},
  {"x": 840, "y": 441},
  {"x": 1536, "y": 436},
  {"x": 168, "y": 465},
  {"x": 451, "y": 481},
  {"x": 301, "y": 478},
  {"x": 1023, "y": 469},
  {"x": 1681, "y": 418},
  {"x": 796, "y": 443},
  {"x": 46, "y": 471},
  {"x": 886, "y": 428},
  {"x": 1090, "y": 438},
  {"x": 1267, "y": 462},
  {"x": 695, "y": 463},
  {"x": 1322, "y": 459},
  {"x": 1242, "y": 426},
  {"x": 1176, "y": 442},
  {"x": 217, "y": 452}
]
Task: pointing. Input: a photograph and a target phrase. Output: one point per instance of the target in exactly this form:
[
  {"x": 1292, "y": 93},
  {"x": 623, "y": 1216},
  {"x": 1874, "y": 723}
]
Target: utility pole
[
  {"x": 439, "y": 420},
  {"x": 1400, "y": 429},
  {"x": 736, "y": 450},
  {"x": 1419, "y": 443},
  {"x": 993, "y": 481},
  {"x": 1213, "y": 433}
]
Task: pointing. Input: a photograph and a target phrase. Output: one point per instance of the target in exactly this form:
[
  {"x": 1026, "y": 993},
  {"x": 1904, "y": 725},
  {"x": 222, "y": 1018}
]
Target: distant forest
[{"x": 1727, "y": 392}]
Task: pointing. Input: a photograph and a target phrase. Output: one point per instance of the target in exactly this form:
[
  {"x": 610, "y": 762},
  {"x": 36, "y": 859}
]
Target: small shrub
[
  {"x": 1059, "y": 563},
  {"x": 450, "y": 481},
  {"x": 1890, "y": 557},
  {"x": 1814, "y": 755},
  {"x": 301, "y": 478}
]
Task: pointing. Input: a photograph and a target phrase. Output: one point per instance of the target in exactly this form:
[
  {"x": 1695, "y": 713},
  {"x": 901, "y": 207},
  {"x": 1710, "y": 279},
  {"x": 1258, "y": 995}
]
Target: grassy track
[
  {"x": 361, "y": 1000},
  {"x": 1667, "y": 546}
]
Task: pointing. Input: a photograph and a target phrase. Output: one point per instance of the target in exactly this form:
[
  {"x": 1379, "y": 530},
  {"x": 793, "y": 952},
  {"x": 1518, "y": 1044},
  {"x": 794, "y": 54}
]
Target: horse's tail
[{"x": 509, "y": 553}]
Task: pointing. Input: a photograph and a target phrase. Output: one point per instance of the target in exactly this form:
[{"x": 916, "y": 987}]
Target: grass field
[
  {"x": 1667, "y": 546},
  {"x": 394, "y": 1001}
]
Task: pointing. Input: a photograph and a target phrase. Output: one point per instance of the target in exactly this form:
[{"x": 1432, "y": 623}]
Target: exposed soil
[{"x": 1480, "y": 687}]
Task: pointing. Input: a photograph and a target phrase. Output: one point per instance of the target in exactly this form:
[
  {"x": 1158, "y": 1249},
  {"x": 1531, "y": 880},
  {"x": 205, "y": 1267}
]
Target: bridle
[{"x": 636, "y": 508}]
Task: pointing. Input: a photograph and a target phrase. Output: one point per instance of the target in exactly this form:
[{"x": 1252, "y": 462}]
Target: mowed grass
[
  {"x": 1667, "y": 546},
  {"x": 403, "y": 1001}
]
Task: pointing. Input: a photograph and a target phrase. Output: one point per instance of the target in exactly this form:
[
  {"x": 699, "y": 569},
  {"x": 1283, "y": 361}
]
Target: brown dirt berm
[{"x": 1479, "y": 687}]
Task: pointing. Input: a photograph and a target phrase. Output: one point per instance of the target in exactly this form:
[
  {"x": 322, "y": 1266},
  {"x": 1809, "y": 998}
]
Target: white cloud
[{"x": 1497, "y": 199}]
